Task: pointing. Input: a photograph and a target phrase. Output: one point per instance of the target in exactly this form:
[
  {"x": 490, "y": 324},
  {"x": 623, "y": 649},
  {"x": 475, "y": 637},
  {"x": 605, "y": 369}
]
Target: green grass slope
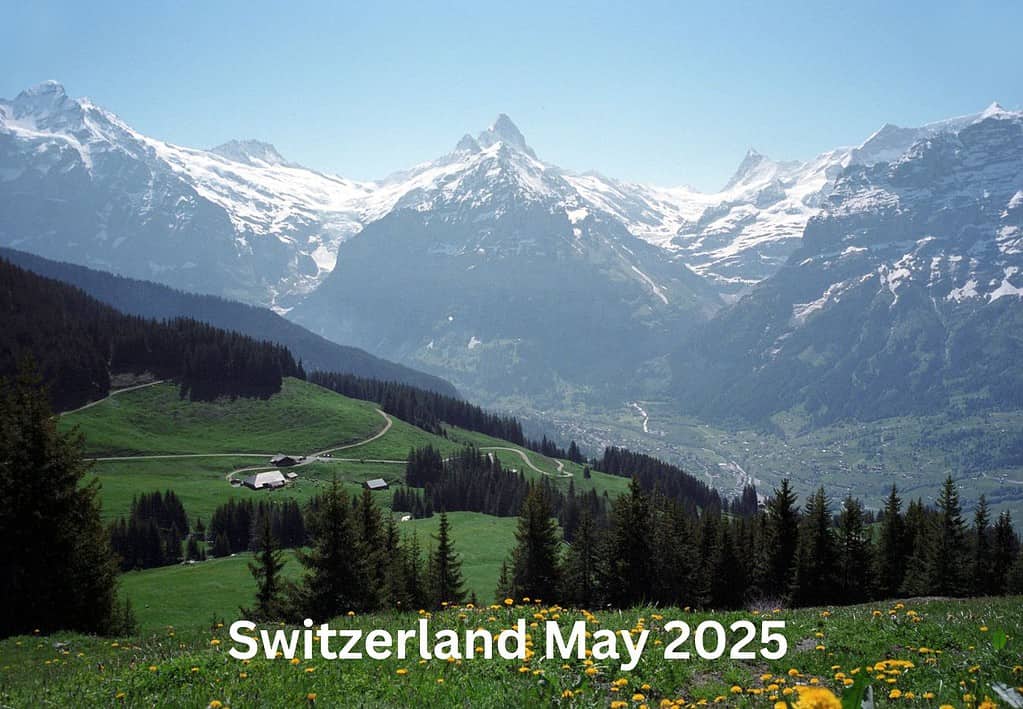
[
  {"x": 921, "y": 653},
  {"x": 302, "y": 418}
]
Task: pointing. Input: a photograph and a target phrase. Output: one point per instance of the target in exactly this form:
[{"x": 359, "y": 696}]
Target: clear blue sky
[{"x": 662, "y": 92}]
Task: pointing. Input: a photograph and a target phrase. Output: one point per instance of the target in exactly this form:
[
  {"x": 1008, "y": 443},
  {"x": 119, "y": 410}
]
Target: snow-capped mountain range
[
  {"x": 78, "y": 183},
  {"x": 902, "y": 297}
]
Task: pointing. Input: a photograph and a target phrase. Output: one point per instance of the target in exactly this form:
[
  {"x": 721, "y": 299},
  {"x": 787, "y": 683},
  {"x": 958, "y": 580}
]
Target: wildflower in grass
[
  {"x": 509, "y": 601},
  {"x": 294, "y": 660},
  {"x": 637, "y": 697},
  {"x": 215, "y": 704},
  {"x": 310, "y": 670},
  {"x": 591, "y": 671},
  {"x": 243, "y": 675},
  {"x": 983, "y": 628},
  {"x": 817, "y": 698},
  {"x": 120, "y": 696},
  {"x": 153, "y": 668},
  {"x": 736, "y": 689},
  {"x": 214, "y": 642},
  {"x": 895, "y": 694},
  {"x": 401, "y": 672},
  {"x": 619, "y": 704},
  {"x": 311, "y": 697},
  {"x": 781, "y": 705}
]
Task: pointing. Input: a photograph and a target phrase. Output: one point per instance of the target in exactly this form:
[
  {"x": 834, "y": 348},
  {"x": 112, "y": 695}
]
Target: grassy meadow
[{"x": 916, "y": 653}]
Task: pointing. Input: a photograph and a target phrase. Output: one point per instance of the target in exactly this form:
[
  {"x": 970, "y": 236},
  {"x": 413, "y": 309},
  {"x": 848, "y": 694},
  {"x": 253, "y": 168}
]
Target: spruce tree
[
  {"x": 855, "y": 580},
  {"x": 627, "y": 563},
  {"x": 337, "y": 576},
  {"x": 947, "y": 566},
  {"x": 446, "y": 583},
  {"x": 266, "y": 570},
  {"x": 782, "y": 539},
  {"x": 1004, "y": 551},
  {"x": 814, "y": 581},
  {"x": 535, "y": 558},
  {"x": 892, "y": 551},
  {"x": 579, "y": 582},
  {"x": 415, "y": 577},
  {"x": 57, "y": 570},
  {"x": 981, "y": 572},
  {"x": 504, "y": 589},
  {"x": 728, "y": 580}
]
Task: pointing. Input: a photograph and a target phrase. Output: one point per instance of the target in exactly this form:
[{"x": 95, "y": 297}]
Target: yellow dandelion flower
[
  {"x": 509, "y": 601},
  {"x": 311, "y": 697},
  {"x": 637, "y": 697},
  {"x": 736, "y": 689},
  {"x": 817, "y": 698},
  {"x": 401, "y": 672},
  {"x": 215, "y": 704}
]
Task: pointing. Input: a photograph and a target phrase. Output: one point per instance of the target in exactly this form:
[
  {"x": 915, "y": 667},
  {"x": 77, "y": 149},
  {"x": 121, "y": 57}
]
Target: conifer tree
[
  {"x": 627, "y": 568},
  {"x": 707, "y": 554},
  {"x": 535, "y": 558},
  {"x": 672, "y": 553},
  {"x": 57, "y": 570},
  {"x": 728, "y": 581},
  {"x": 446, "y": 583},
  {"x": 266, "y": 570},
  {"x": 981, "y": 572},
  {"x": 579, "y": 586},
  {"x": 947, "y": 566},
  {"x": 892, "y": 551},
  {"x": 1005, "y": 548},
  {"x": 337, "y": 576},
  {"x": 415, "y": 578},
  {"x": 504, "y": 589},
  {"x": 815, "y": 557},
  {"x": 854, "y": 554},
  {"x": 782, "y": 539}
]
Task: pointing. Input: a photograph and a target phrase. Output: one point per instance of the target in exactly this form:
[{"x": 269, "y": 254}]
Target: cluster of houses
[{"x": 275, "y": 479}]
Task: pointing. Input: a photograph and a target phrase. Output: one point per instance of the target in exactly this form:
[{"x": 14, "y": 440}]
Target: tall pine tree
[
  {"x": 446, "y": 583},
  {"x": 57, "y": 570}
]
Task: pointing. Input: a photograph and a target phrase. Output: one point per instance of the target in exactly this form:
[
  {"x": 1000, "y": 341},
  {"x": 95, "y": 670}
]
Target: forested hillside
[
  {"x": 78, "y": 343},
  {"x": 152, "y": 300}
]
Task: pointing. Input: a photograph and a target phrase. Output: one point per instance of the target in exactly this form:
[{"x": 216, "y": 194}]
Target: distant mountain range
[
  {"x": 869, "y": 281},
  {"x": 903, "y": 295}
]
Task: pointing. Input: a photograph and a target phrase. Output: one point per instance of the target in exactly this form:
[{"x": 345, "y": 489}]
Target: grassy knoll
[
  {"x": 302, "y": 418},
  {"x": 189, "y": 595},
  {"x": 914, "y": 654}
]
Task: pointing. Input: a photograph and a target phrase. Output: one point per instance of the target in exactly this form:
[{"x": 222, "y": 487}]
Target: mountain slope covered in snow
[{"x": 902, "y": 297}]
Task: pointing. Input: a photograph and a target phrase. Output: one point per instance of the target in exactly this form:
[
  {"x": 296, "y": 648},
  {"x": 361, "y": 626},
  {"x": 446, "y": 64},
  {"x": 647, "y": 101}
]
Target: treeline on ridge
[
  {"x": 422, "y": 408},
  {"x": 79, "y": 342}
]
